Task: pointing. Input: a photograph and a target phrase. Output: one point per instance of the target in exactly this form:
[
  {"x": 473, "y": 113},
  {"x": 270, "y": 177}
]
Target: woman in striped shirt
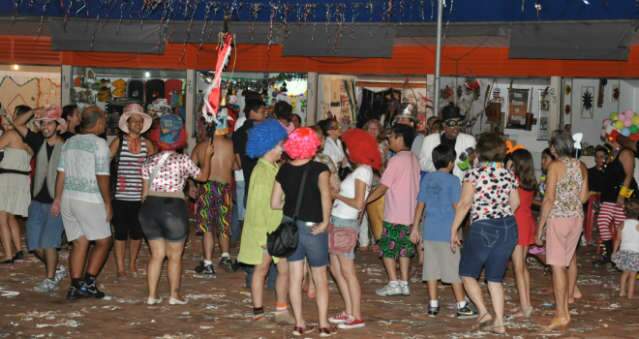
[{"x": 129, "y": 152}]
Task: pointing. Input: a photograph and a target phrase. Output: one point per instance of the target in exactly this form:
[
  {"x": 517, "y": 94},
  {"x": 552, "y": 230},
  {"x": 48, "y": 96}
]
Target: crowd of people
[{"x": 463, "y": 206}]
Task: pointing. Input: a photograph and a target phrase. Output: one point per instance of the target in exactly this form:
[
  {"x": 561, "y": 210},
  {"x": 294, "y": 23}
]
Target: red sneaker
[
  {"x": 351, "y": 324},
  {"x": 340, "y": 318}
]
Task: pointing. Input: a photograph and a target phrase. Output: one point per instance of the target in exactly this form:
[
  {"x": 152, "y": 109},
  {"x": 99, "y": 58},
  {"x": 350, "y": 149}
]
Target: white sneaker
[
  {"x": 46, "y": 286},
  {"x": 176, "y": 301},
  {"x": 391, "y": 289},
  {"x": 403, "y": 285},
  {"x": 60, "y": 273},
  {"x": 153, "y": 301}
]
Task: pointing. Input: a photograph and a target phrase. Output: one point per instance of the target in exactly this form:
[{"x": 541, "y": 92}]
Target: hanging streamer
[{"x": 211, "y": 105}]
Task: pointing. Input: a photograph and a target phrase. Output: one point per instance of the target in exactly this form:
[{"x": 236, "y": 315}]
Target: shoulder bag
[{"x": 283, "y": 241}]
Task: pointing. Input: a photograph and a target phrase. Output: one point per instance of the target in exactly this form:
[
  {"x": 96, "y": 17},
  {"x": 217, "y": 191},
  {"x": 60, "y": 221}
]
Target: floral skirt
[{"x": 626, "y": 260}]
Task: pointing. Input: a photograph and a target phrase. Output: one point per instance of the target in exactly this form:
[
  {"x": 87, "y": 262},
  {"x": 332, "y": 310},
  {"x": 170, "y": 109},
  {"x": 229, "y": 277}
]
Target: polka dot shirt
[
  {"x": 173, "y": 174},
  {"x": 492, "y": 192}
]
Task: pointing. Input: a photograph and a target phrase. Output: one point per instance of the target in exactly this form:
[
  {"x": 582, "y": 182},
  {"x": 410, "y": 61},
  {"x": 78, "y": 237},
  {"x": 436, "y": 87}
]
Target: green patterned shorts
[{"x": 395, "y": 241}]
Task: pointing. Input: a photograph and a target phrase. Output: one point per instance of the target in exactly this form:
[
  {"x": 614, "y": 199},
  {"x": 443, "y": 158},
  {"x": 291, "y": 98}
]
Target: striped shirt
[{"x": 129, "y": 185}]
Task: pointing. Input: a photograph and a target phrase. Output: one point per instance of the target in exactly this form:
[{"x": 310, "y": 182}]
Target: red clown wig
[
  {"x": 302, "y": 143},
  {"x": 362, "y": 148}
]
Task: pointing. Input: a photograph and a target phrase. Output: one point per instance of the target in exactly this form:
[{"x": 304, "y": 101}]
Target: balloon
[
  {"x": 628, "y": 113},
  {"x": 625, "y": 132},
  {"x": 619, "y": 124},
  {"x": 634, "y": 129},
  {"x": 634, "y": 137},
  {"x": 635, "y": 120},
  {"x": 627, "y": 122},
  {"x": 614, "y": 116}
]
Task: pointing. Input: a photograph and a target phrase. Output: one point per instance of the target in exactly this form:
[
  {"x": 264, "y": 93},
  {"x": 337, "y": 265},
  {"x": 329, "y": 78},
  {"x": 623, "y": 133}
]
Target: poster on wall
[
  {"x": 518, "y": 116},
  {"x": 587, "y": 102},
  {"x": 543, "y": 133}
]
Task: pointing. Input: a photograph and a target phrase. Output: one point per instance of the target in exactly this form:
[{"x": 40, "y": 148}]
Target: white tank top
[{"x": 630, "y": 236}]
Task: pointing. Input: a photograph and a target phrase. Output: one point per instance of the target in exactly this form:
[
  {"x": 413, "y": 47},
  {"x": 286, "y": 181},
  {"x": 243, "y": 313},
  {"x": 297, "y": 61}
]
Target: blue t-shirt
[{"x": 439, "y": 191}]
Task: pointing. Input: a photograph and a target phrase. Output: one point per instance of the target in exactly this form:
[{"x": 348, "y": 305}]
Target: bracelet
[{"x": 626, "y": 192}]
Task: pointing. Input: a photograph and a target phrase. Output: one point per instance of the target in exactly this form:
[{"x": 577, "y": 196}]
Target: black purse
[
  {"x": 283, "y": 241},
  {"x": 114, "y": 165}
]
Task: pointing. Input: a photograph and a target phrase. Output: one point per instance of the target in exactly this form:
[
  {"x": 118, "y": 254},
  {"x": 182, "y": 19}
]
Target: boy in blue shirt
[{"x": 438, "y": 194}]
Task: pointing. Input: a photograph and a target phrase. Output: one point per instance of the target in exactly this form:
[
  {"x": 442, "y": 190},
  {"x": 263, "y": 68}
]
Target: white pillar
[
  {"x": 191, "y": 109},
  {"x": 66, "y": 82},
  {"x": 430, "y": 91},
  {"x": 311, "y": 100},
  {"x": 555, "y": 112}
]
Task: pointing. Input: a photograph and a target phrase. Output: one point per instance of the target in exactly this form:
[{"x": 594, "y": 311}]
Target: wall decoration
[
  {"x": 543, "y": 132},
  {"x": 34, "y": 92},
  {"x": 587, "y": 101},
  {"x": 518, "y": 115}
]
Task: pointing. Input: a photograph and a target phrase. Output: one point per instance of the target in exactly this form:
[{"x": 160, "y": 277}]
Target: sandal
[
  {"x": 299, "y": 331},
  {"x": 483, "y": 322},
  {"x": 501, "y": 330},
  {"x": 327, "y": 331}
]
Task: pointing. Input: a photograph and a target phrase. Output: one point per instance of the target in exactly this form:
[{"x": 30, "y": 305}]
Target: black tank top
[{"x": 614, "y": 177}]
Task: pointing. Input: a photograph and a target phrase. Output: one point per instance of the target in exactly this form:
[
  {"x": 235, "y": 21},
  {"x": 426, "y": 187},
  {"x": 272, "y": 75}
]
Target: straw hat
[{"x": 130, "y": 110}]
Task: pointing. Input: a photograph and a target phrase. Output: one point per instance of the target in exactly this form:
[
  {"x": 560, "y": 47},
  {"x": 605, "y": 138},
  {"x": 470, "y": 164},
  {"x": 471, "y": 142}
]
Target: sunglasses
[{"x": 452, "y": 123}]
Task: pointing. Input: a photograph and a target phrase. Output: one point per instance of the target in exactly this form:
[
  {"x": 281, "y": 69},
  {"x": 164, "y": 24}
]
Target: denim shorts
[
  {"x": 489, "y": 244},
  {"x": 43, "y": 229},
  {"x": 312, "y": 247}
]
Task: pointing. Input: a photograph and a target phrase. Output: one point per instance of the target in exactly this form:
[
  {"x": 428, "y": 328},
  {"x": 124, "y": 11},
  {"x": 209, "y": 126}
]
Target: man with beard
[{"x": 44, "y": 230}]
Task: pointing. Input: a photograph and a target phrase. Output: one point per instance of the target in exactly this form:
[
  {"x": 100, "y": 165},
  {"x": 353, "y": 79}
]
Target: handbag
[
  {"x": 283, "y": 241},
  {"x": 114, "y": 165}
]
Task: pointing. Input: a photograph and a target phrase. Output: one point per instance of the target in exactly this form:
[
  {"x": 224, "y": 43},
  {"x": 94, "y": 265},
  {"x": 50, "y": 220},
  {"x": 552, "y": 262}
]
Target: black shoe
[
  {"x": 433, "y": 311},
  {"x": 466, "y": 312},
  {"x": 74, "y": 293},
  {"x": 19, "y": 255},
  {"x": 208, "y": 270},
  {"x": 91, "y": 290},
  {"x": 228, "y": 264},
  {"x": 199, "y": 268}
]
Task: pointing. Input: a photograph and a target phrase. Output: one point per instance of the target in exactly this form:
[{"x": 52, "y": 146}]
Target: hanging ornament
[
  {"x": 255, "y": 10},
  {"x": 44, "y": 11},
  {"x": 370, "y": 8},
  {"x": 523, "y": 6},
  {"x": 285, "y": 10},
  {"x": 274, "y": 10},
  {"x": 422, "y": 9},
  {"x": 538, "y": 7},
  {"x": 388, "y": 12},
  {"x": 327, "y": 16}
]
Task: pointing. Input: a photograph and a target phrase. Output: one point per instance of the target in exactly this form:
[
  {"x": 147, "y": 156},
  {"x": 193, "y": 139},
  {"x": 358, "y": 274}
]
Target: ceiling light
[
  {"x": 147, "y": 74},
  {"x": 16, "y": 67}
]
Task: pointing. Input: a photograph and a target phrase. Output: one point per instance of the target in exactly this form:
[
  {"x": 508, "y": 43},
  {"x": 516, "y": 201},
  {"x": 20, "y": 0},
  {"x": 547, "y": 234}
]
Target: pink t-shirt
[{"x": 402, "y": 179}]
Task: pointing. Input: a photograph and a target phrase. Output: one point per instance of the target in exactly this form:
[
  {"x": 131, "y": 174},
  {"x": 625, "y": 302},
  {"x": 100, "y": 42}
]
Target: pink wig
[{"x": 302, "y": 143}]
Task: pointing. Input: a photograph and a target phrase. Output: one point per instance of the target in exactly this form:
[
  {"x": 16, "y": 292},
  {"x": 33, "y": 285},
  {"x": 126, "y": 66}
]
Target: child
[
  {"x": 438, "y": 194},
  {"x": 399, "y": 186},
  {"x": 521, "y": 164},
  {"x": 546, "y": 158},
  {"x": 264, "y": 142},
  {"x": 626, "y": 251}
]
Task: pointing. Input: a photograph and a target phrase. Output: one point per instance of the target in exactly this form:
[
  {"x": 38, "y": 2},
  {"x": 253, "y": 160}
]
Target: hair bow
[
  {"x": 510, "y": 147},
  {"x": 577, "y": 137}
]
